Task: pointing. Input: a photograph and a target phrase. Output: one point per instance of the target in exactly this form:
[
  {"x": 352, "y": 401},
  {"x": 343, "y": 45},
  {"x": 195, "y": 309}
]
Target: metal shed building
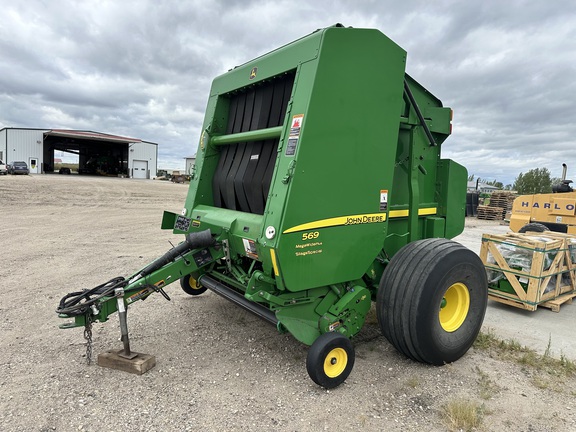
[{"x": 98, "y": 153}]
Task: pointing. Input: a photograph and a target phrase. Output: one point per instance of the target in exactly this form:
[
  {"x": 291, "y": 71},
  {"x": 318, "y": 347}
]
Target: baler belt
[
  {"x": 243, "y": 178},
  {"x": 244, "y": 171}
]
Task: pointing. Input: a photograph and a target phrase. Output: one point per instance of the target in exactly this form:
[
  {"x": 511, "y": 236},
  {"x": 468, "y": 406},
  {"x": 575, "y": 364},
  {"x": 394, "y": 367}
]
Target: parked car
[
  {"x": 18, "y": 167},
  {"x": 64, "y": 170},
  {"x": 3, "y": 168}
]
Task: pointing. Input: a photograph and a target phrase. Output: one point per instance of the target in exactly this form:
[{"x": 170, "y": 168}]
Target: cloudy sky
[{"x": 143, "y": 68}]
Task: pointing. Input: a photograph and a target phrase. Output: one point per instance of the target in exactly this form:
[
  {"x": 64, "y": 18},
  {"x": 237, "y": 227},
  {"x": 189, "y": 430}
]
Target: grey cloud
[{"x": 143, "y": 68}]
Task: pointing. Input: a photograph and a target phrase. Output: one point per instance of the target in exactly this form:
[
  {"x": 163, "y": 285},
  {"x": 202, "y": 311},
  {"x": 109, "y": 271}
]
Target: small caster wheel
[
  {"x": 330, "y": 360},
  {"x": 190, "y": 284}
]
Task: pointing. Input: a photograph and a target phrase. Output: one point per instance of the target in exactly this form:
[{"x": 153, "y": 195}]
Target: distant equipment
[{"x": 554, "y": 211}]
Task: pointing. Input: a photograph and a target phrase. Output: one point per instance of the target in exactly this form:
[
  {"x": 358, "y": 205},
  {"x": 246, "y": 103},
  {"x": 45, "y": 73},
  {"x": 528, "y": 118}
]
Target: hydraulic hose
[
  {"x": 77, "y": 303},
  {"x": 200, "y": 239}
]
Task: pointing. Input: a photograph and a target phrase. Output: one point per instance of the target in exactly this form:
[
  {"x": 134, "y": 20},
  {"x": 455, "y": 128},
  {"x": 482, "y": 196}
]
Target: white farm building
[{"x": 98, "y": 153}]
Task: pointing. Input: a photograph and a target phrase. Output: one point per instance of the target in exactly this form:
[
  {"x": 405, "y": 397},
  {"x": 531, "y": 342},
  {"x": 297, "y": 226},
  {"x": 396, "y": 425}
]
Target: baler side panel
[
  {"x": 451, "y": 190},
  {"x": 334, "y": 221},
  {"x": 416, "y": 176}
]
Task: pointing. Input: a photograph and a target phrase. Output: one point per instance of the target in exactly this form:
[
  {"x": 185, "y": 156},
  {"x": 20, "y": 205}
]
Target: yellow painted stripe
[
  {"x": 427, "y": 211},
  {"x": 398, "y": 213},
  {"x": 421, "y": 212},
  {"x": 336, "y": 221},
  {"x": 274, "y": 263},
  {"x": 342, "y": 220}
]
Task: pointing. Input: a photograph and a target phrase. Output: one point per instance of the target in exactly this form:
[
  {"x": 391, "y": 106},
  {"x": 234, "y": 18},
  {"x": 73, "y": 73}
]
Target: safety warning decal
[
  {"x": 250, "y": 248},
  {"x": 383, "y": 200},
  {"x": 295, "y": 127}
]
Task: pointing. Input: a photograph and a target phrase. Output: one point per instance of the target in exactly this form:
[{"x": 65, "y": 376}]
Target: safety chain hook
[{"x": 88, "y": 337}]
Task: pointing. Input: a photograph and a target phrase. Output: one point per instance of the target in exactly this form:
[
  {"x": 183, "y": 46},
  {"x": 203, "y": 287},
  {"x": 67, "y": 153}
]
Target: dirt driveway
[{"x": 218, "y": 367}]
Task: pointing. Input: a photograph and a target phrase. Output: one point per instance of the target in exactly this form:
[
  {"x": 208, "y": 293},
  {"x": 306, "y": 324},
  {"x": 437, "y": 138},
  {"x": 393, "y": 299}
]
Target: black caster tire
[
  {"x": 330, "y": 360},
  {"x": 190, "y": 285}
]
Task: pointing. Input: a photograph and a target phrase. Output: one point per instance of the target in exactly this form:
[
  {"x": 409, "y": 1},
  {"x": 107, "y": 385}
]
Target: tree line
[{"x": 537, "y": 180}]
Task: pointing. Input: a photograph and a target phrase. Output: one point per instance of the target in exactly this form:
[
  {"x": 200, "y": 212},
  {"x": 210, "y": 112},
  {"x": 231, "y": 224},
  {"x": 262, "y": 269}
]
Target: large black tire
[
  {"x": 533, "y": 227},
  {"x": 432, "y": 300},
  {"x": 330, "y": 360},
  {"x": 190, "y": 285}
]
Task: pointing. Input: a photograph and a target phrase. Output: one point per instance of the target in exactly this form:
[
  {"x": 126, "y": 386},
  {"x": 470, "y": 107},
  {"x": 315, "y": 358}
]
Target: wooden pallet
[
  {"x": 559, "y": 301},
  {"x": 553, "y": 305},
  {"x": 503, "y": 200},
  {"x": 497, "y": 297},
  {"x": 490, "y": 213}
]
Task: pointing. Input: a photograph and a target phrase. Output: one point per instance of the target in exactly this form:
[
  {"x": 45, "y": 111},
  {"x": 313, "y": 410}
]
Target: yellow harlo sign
[{"x": 557, "y": 211}]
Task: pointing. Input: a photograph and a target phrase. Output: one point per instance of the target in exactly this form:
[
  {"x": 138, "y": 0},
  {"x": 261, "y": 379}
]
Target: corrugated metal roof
[{"x": 90, "y": 135}]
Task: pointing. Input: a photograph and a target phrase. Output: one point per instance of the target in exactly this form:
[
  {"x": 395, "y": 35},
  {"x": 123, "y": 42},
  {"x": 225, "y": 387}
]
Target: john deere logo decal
[{"x": 253, "y": 73}]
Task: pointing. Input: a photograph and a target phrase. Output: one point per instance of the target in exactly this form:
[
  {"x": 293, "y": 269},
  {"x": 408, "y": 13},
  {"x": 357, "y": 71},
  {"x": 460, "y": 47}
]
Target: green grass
[
  {"x": 413, "y": 382},
  {"x": 488, "y": 388},
  {"x": 462, "y": 415},
  {"x": 73, "y": 167},
  {"x": 513, "y": 351}
]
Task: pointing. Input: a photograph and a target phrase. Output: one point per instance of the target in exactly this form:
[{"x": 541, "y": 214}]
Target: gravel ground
[{"x": 218, "y": 368}]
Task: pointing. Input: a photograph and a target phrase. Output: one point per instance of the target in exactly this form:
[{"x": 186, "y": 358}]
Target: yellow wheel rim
[
  {"x": 193, "y": 283},
  {"x": 335, "y": 362},
  {"x": 455, "y": 306}
]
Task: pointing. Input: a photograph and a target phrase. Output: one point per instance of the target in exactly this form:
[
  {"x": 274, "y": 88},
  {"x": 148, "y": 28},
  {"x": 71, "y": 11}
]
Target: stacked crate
[
  {"x": 500, "y": 206},
  {"x": 504, "y": 200},
  {"x": 490, "y": 213},
  {"x": 530, "y": 270}
]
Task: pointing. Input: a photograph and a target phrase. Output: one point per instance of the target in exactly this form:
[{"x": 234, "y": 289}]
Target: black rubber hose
[
  {"x": 77, "y": 303},
  {"x": 200, "y": 239}
]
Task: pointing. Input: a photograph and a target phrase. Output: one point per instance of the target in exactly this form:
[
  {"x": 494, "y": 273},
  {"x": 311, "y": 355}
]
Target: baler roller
[
  {"x": 256, "y": 135},
  {"x": 238, "y": 299}
]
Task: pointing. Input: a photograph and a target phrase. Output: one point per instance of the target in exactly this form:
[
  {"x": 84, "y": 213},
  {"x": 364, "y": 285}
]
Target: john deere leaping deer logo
[{"x": 253, "y": 73}]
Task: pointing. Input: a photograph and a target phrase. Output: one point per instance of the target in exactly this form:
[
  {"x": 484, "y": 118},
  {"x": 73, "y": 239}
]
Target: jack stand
[
  {"x": 119, "y": 292},
  {"x": 125, "y": 360}
]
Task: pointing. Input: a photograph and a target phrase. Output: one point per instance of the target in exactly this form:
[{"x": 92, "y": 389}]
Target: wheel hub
[
  {"x": 454, "y": 307},
  {"x": 335, "y": 362}
]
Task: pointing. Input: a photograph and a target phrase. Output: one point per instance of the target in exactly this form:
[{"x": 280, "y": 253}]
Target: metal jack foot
[
  {"x": 125, "y": 359},
  {"x": 126, "y": 353}
]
